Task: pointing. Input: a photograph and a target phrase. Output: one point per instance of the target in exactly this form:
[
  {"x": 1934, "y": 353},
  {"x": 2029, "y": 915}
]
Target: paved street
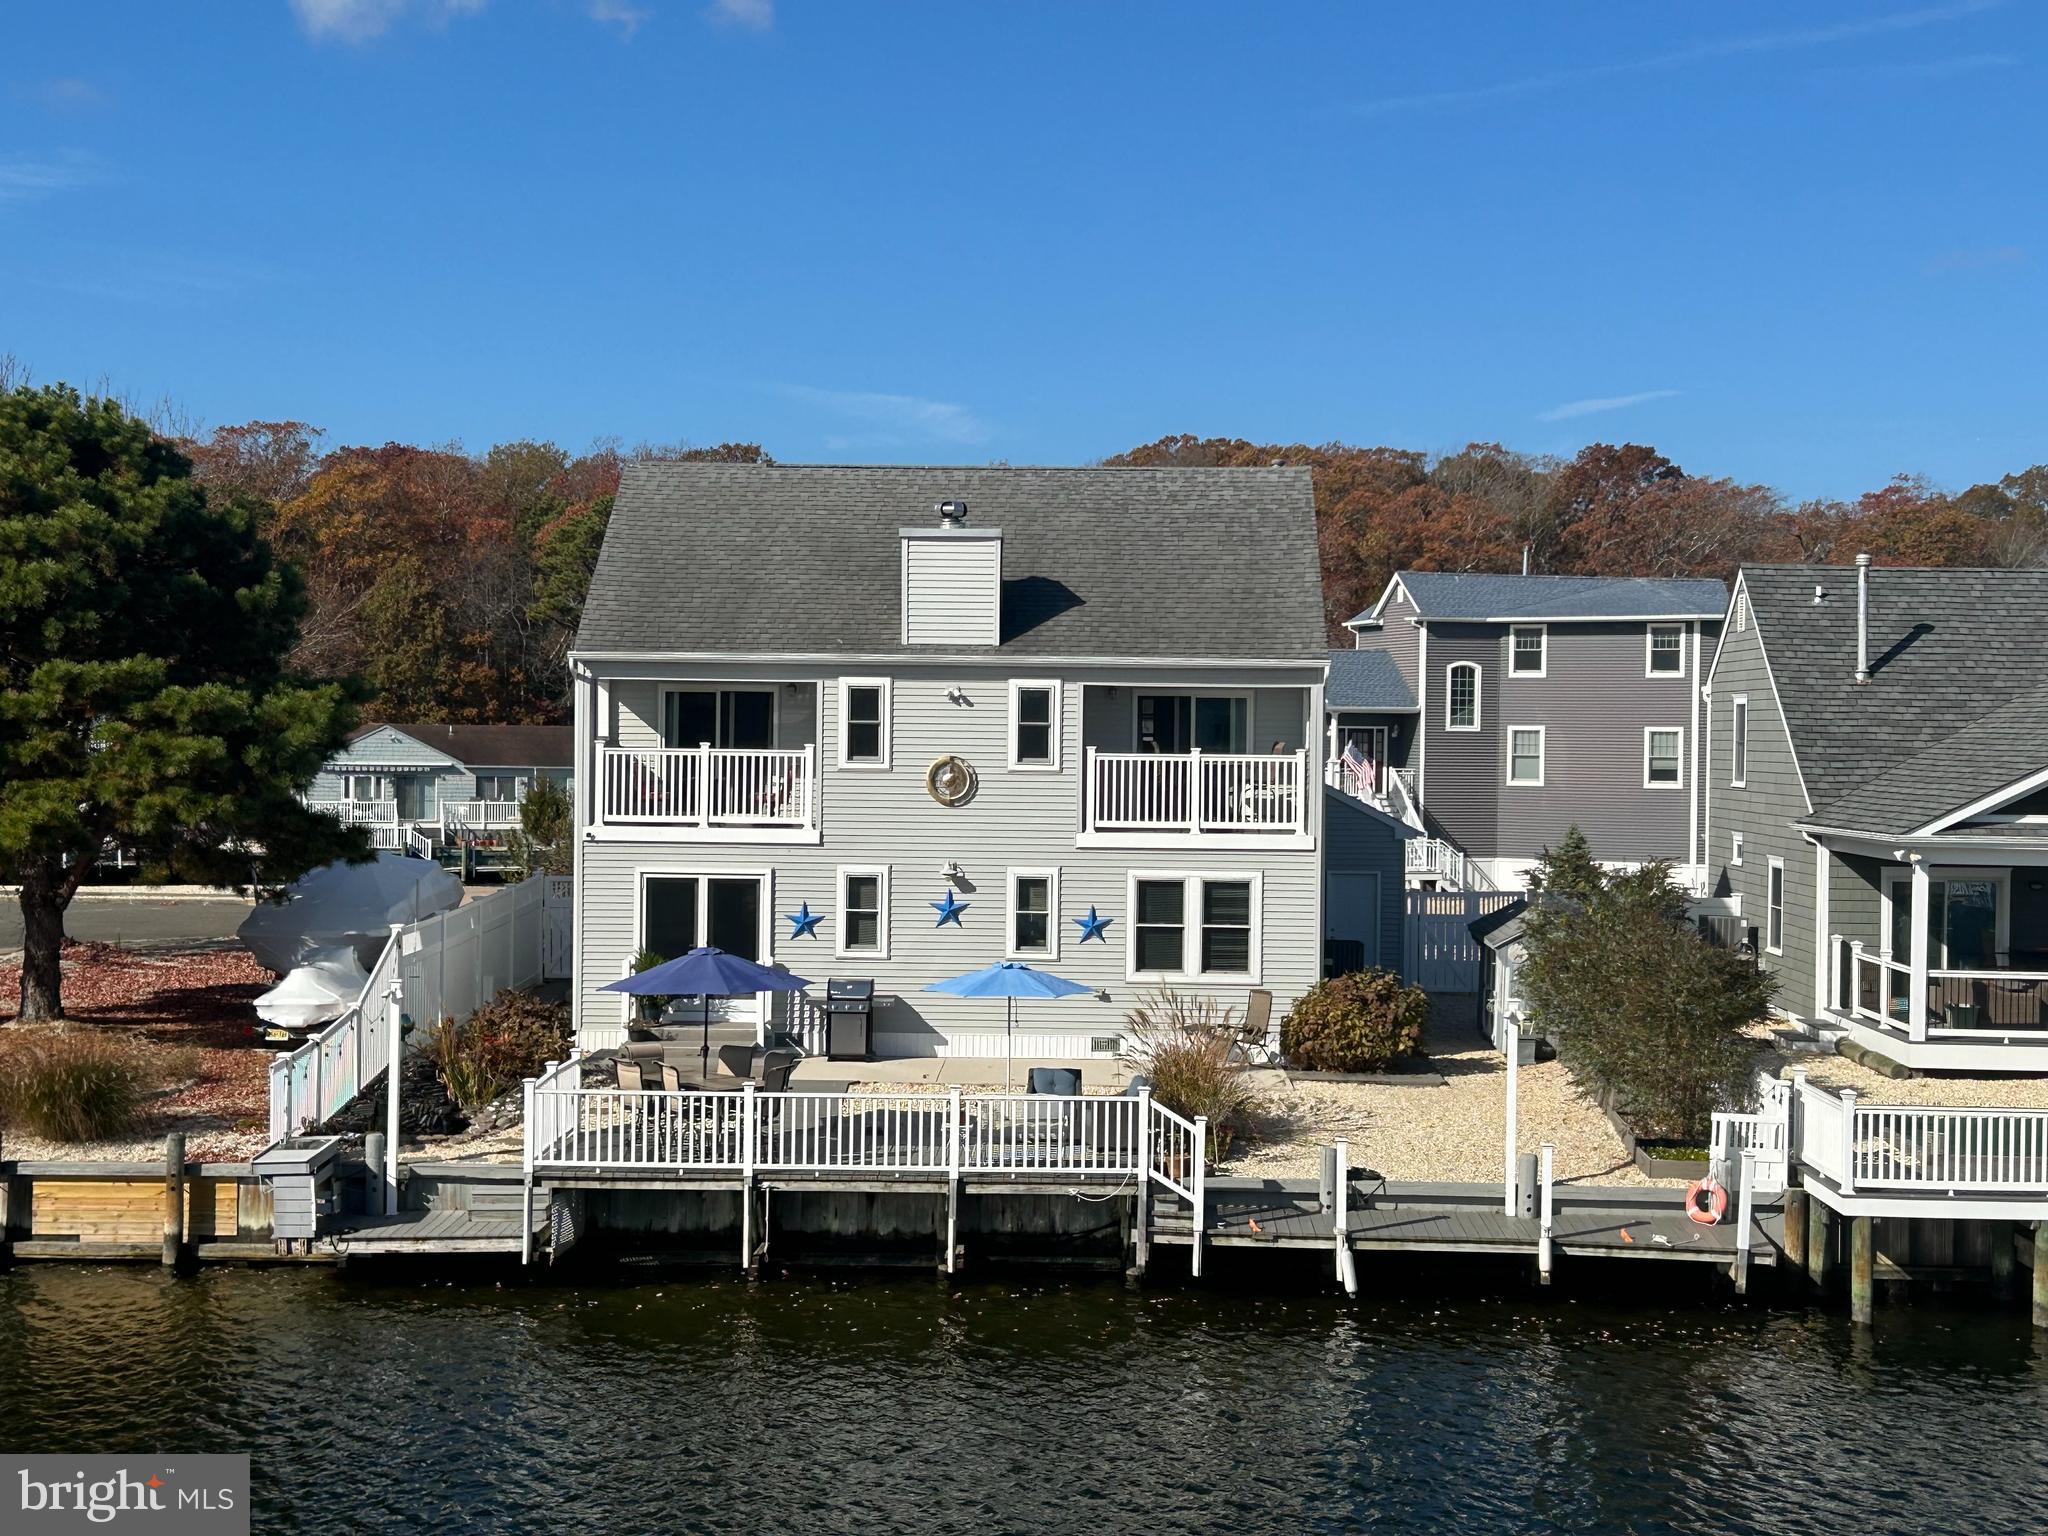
[{"x": 142, "y": 924}]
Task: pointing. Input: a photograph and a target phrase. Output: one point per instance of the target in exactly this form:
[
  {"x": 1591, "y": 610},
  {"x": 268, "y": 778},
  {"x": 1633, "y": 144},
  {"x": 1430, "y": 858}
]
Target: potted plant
[{"x": 647, "y": 1011}]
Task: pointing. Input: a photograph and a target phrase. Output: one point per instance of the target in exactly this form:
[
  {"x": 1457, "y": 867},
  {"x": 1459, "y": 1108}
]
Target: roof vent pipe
[
  {"x": 952, "y": 514},
  {"x": 1863, "y": 618}
]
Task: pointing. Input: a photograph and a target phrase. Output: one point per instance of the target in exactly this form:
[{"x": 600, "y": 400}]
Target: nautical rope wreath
[{"x": 950, "y": 780}]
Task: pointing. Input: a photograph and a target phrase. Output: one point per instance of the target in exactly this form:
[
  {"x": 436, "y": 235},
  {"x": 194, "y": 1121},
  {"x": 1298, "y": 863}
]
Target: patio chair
[
  {"x": 671, "y": 1079},
  {"x": 1060, "y": 1080},
  {"x": 776, "y": 1067},
  {"x": 1255, "y": 1028},
  {"x": 738, "y": 1061},
  {"x": 631, "y": 1074}
]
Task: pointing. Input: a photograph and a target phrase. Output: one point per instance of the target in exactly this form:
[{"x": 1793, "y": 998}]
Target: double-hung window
[
  {"x": 1663, "y": 757},
  {"x": 1034, "y": 725},
  {"x": 864, "y": 722},
  {"x": 863, "y": 911},
  {"x": 1461, "y": 696},
  {"x": 1526, "y": 650},
  {"x": 1194, "y": 926},
  {"x": 1034, "y": 914},
  {"x": 1525, "y": 755},
  {"x": 1666, "y": 651},
  {"x": 1738, "y": 743},
  {"x": 1774, "y": 907}
]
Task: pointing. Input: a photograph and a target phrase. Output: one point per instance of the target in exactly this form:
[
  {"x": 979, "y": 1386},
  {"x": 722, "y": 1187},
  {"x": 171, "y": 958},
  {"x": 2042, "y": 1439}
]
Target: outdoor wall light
[
  {"x": 957, "y": 694},
  {"x": 951, "y": 870}
]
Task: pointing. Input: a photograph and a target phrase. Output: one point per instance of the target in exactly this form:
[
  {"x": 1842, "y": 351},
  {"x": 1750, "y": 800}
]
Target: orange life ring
[{"x": 1706, "y": 1202}]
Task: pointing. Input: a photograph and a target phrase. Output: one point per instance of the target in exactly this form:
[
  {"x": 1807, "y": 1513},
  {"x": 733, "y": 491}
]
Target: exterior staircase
[
  {"x": 1808, "y": 1037},
  {"x": 1172, "y": 1217}
]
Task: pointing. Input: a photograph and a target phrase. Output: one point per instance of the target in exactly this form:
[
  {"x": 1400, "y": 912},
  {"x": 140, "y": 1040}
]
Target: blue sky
[{"x": 1802, "y": 244}]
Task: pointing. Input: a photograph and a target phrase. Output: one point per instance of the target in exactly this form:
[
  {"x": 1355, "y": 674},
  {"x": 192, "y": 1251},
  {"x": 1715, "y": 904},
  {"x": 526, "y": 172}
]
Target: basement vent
[{"x": 1106, "y": 1045}]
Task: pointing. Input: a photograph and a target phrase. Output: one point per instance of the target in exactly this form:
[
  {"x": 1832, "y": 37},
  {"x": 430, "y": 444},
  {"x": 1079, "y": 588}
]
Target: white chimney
[
  {"x": 1863, "y": 618},
  {"x": 952, "y": 581}
]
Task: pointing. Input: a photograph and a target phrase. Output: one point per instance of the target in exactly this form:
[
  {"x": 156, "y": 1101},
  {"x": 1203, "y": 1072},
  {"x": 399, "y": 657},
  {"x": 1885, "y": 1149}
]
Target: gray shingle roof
[
  {"x": 1366, "y": 680},
  {"x": 1947, "y": 650},
  {"x": 492, "y": 746},
  {"x": 1470, "y": 595},
  {"x": 760, "y": 559}
]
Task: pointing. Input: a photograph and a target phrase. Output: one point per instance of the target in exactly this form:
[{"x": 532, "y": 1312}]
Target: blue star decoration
[
  {"x": 803, "y": 922},
  {"x": 949, "y": 910},
  {"x": 1091, "y": 926}
]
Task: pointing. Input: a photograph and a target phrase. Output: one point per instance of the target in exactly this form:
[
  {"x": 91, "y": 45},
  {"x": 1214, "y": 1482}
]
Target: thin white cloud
[
  {"x": 26, "y": 176},
  {"x": 1601, "y": 403},
  {"x": 1692, "y": 53},
  {"x": 68, "y": 93},
  {"x": 758, "y": 15},
  {"x": 357, "y": 21},
  {"x": 895, "y": 418},
  {"x": 1922, "y": 69},
  {"x": 622, "y": 14}
]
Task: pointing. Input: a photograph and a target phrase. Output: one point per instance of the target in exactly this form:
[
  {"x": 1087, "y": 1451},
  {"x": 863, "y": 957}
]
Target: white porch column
[{"x": 1916, "y": 998}]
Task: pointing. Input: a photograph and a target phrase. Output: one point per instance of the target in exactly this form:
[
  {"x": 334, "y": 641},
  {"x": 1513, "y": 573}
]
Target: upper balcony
[
  {"x": 709, "y": 788},
  {"x": 1228, "y": 795}
]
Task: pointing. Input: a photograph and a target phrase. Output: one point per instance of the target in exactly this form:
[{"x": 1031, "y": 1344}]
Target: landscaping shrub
[
  {"x": 1184, "y": 1044},
  {"x": 504, "y": 1042},
  {"x": 1363, "y": 1022},
  {"x": 77, "y": 1085},
  {"x": 1645, "y": 1013}
]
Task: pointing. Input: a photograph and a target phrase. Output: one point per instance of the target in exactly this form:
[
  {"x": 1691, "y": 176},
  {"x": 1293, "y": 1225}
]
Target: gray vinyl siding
[
  {"x": 1461, "y": 770},
  {"x": 1593, "y": 705},
  {"x": 1018, "y": 819},
  {"x": 1763, "y": 811},
  {"x": 1356, "y": 842},
  {"x": 1399, "y": 638}
]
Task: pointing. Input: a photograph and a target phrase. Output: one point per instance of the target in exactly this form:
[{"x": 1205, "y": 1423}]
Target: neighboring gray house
[
  {"x": 1877, "y": 809},
  {"x": 415, "y": 785},
  {"x": 1495, "y": 712},
  {"x": 900, "y": 723}
]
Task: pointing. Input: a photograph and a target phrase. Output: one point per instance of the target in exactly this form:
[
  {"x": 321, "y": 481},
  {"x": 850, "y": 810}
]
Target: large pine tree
[{"x": 144, "y": 698}]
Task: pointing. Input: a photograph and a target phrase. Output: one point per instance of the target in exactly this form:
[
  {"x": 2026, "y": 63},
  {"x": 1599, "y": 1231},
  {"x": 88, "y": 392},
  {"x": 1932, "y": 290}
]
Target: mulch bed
[{"x": 200, "y": 998}]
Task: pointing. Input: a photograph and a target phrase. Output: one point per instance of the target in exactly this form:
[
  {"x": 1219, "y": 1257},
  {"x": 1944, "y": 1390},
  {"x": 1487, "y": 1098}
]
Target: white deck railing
[
  {"x": 483, "y": 813},
  {"x": 1920, "y": 1149},
  {"x": 1764, "y": 1133},
  {"x": 708, "y": 786},
  {"x": 1197, "y": 792},
  {"x": 750, "y": 1130},
  {"x": 357, "y": 812}
]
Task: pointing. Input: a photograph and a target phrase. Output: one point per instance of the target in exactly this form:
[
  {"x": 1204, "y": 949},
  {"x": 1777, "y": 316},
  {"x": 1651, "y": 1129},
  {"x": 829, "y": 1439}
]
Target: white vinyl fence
[
  {"x": 1440, "y": 953},
  {"x": 443, "y": 967}
]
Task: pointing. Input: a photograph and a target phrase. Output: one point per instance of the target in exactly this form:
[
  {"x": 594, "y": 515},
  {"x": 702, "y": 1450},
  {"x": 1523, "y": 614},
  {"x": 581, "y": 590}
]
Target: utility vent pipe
[{"x": 1863, "y": 618}]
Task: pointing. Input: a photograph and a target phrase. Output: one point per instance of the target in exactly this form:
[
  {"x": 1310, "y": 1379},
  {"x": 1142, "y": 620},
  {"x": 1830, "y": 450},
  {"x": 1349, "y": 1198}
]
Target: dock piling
[
  {"x": 2003, "y": 1260},
  {"x": 174, "y": 1198},
  {"x": 1819, "y": 1232},
  {"x": 2041, "y": 1274},
  {"x": 1525, "y": 1186},
  {"x": 1796, "y": 1201},
  {"x": 1862, "y": 1268},
  {"x": 1547, "y": 1210},
  {"x": 1340, "y": 1212}
]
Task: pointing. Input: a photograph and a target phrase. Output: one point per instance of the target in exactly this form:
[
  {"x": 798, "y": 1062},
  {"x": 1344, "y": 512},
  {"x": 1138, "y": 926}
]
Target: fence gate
[
  {"x": 557, "y": 912},
  {"x": 1442, "y": 955}
]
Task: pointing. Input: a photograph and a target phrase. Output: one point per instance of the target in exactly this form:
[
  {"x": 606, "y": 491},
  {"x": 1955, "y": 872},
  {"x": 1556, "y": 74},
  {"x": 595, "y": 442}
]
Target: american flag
[{"x": 1358, "y": 767}]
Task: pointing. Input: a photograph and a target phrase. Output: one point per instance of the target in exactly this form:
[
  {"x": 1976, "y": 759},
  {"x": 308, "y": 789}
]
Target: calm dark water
[{"x": 682, "y": 1403}]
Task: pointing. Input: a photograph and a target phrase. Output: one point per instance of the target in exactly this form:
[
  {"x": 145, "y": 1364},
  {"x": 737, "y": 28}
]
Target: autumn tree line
[{"x": 452, "y": 582}]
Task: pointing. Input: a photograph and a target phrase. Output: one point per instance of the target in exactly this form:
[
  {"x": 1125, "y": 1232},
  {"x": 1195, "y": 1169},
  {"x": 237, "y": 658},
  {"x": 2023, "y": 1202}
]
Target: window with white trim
[
  {"x": 1461, "y": 696},
  {"x": 1034, "y": 724},
  {"x": 1663, "y": 757},
  {"x": 1034, "y": 914},
  {"x": 1735, "y": 849},
  {"x": 1774, "y": 907},
  {"x": 1738, "y": 742},
  {"x": 863, "y": 911},
  {"x": 1665, "y": 654},
  {"x": 1525, "y": 755},
  {"x": 1188, "y": 926},
  {"x": 1525, "y": 650},
  {"x": 864, "y": 722}
]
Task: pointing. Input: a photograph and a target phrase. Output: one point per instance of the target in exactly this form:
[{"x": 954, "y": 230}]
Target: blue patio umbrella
[
  {"x": 706, "y": 972},
  {"x": 1009, "y": 979}
]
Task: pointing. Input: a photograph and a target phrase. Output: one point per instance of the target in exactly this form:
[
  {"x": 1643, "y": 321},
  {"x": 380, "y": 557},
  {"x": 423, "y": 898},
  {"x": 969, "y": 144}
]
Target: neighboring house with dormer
[
  {"x": 426, "y": 786},
  {"x": 1877, "y": 813},
  {"x": 896, "y": 724},
  {"x": 1492, "y": 713}
]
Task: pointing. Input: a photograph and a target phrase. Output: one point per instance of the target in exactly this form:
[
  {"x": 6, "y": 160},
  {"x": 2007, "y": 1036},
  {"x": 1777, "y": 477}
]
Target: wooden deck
[
  {"x": 439, "y": 1231},
  {"x": 1274, "y": 1215}
]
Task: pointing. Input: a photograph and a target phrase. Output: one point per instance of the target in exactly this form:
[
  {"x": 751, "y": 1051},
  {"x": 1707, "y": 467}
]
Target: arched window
[{"x": 1461, "y": 696}]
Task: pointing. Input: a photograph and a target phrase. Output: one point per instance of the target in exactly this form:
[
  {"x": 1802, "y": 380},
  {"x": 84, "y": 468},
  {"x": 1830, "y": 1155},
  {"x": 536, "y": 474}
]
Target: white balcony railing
[
  {"x": 483, "y": 814},
  {"x": 708, "y": 787},
  {"x": 1197, "y": 792},
  {"x": 357, "y": 812}
]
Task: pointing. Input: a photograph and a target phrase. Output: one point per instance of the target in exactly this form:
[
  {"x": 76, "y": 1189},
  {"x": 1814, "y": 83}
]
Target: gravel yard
[
  {"x": 1837, "y": 1072},
  {"x": 1450, "y": 1133}
]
